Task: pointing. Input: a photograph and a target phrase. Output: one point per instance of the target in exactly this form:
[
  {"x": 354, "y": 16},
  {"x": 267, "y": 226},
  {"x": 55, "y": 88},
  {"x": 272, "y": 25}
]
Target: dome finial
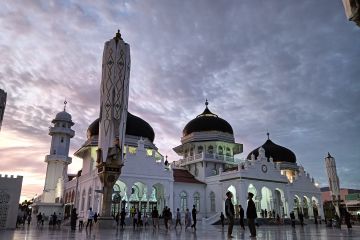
[
  {"x": 118, "y": 36},
  {"x": 65, "y": 102},
  {"x": 268, "y": 135},
  {"x": 206, "y": 103}
]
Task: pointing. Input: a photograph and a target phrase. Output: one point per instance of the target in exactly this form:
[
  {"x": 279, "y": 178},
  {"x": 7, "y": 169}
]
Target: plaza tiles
[{"x": 203, "y": 232}]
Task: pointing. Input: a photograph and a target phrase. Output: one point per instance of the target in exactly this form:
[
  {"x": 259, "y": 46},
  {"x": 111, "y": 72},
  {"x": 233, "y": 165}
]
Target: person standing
[
  {"x": 230, "y": 213},
  {"x": 187, "y": 219},
  {"x": 292, "y": 217},
  {"x": 90, "y": 214},
  {"x": 241, "y": 217},
  {"x": 155, "y": 217},
  {"x": 193, "y": 213},
  {"x": 222, "y": 218},
  {"x": 95, "y": 217},
  {"x": 301, "y": 218},
  {"x": 73, "y": 218},
  {"x": 348, "y": 219},
  {"x": 117, "y": 219},
  {"x": 251, "y": 214},
  {"x": 178, "y": 218}
]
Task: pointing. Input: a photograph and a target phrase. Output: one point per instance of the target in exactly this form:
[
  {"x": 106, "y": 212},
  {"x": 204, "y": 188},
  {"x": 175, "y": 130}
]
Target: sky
[{"x": 288, "y": 67}]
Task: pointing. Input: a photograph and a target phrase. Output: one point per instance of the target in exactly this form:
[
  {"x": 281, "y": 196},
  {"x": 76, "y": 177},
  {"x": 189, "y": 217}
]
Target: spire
[
  {"x": 329, "y": 156},
  {"x": 65, "y": 102},
  {"x": 206, "y": 103},
  {"x": 118, "y": 36},
  {"x": 268, "y": 135}
]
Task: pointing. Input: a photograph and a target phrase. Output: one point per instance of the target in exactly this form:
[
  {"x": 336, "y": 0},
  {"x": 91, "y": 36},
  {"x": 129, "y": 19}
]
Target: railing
[{"x": 208, "y": 156}]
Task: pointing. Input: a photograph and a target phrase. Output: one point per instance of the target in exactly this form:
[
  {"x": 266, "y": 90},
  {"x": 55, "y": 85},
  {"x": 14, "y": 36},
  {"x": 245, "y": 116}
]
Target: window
[
  {"x": 212, "y": 202},
  {"x": 200, "y": 149},
  {"x": 89, "y": 198},
  {"x": 183, "y": 201},
  {"x": 228, "y": 152},
  {"x": 83, "y": 200},
  {"x": 197, "y": 201},
  {"x": 62, "y": 139},
  {"x": 211, "y": 149},
  {"x": 220, "y": 150}
]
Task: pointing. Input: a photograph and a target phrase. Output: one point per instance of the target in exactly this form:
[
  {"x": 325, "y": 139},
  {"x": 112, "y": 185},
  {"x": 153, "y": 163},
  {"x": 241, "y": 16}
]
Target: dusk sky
[{"x": 288, "y": 67}]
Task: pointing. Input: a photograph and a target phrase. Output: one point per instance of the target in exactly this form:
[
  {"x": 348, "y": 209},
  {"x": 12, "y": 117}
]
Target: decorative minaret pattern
[
  {"x": 334, "y": 183},
  {"x": 58, "y": 159},
  {"x": 114, "y": 94},
  {"x": 2, "y": 105}
]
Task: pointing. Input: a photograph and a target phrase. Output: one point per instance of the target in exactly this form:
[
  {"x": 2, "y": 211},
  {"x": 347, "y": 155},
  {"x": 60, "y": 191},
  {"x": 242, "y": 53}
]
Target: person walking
[
  {"x": 166, "y": 213},
  {"x": 187, "y": 219},
  {"x": 155, "y": 217},
  {"x": 90, "y": 215},
  {"x": 251, "y": 214},
  {"x": 230, "y": 213},
  {"x": 193, "y": 213},
  {"x": 178, "y": 218},
  {"x": 241, "y": 217},
  {"x": 122, "y": 218},
  {"x": 348, "y": 219},
  {"x": 292, "y": 217},
  {"x": 222, "y": 218},
  {"x": 117, "y": 219},
  {"x": 95, "y": 217}
]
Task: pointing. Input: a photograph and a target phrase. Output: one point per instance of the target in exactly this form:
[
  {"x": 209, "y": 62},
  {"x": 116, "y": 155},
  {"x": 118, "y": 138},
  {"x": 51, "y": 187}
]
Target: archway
[
  {"x": 315, "y": 206},
  {"x": 158, "y": 197},
  {"x": 266, "y": 200},
  {"x": 279, "y": 205},
  {"x": 232, "y": 189},
  {"x": 297, "y": 205},
  {"x": 119, "y": 197},
  {"x": 306, "y": 204}
]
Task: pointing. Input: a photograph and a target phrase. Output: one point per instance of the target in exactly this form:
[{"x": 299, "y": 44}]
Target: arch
[
  {"x": 200, "y": 149},
  {"x": 266, "y": 199},
  {"x": 83, "y": 200},
  {"x": 220, "y": 150},
  {"x": 279, "y": 204},
  {"x": 210, "y": 149},
  {"x": 183, "y": 201},
  {"x": 159, "y": 194},
  {"x": 252, "y": 189},
  {"x": 232, "y": 189},
  {"x": 212, "y": 202},
  {"x": 196, "y": 197},
  {"x": 315, "y": 206},
  {"x": 306, "y": 203},
  {"x": 228, "y": 151},
  {"x": 297, "y": 204}
]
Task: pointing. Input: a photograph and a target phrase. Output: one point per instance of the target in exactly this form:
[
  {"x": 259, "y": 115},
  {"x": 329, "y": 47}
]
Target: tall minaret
[
  {"x": 58, "y": 159},
  {"x": 2, "y": 105},
  {"x": 334, "y": 183}
]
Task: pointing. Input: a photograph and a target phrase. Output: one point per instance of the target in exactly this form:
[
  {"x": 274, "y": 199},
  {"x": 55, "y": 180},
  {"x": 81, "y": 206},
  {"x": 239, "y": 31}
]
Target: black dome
[
  {"x": 277, "y": 152},
  {"x": 207, "y": 121},
  {"x": 134, "y": 126}
]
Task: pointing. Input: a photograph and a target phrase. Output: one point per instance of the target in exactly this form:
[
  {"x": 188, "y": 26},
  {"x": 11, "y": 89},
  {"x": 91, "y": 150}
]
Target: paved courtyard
[{"x": 203, "y": 232}]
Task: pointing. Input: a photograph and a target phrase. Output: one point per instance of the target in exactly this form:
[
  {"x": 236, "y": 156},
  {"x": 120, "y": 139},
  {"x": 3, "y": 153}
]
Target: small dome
[
  {"x": 207, "y": 121},
  {"x": 277, "y": 152},
  {"x": 63, "y": 116},
  {"x": 134, "y": 126}
]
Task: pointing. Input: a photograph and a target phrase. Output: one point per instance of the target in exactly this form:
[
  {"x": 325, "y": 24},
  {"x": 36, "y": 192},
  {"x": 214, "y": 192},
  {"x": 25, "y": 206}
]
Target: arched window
[
  {"x": 197, "y": 201},
  {"x": 228, "y": 151},
  {"x": 220, "y": 152},
  {"x": 212, "y": 202},
  {"x": 183, "y": 201},
  {"x": 62, "y": 139},
  {"x": 200, "y": 149},
  {"x": 191, "y": 152},
  {"x": 89, "y": 198},
  {"x": 210, "y": 149},
  {"x": 83, "y": 200}
]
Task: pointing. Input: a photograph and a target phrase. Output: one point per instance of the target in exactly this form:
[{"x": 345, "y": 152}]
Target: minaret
[
  {"x": 58, "y": 159},
  {"x": 334, "y": 183}
]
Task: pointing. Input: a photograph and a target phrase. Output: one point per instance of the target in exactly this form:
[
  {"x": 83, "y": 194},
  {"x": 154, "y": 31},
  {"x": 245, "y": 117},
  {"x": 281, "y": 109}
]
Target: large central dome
[
  {"x": 134, "y": 126},
  {"x": 207, "y": 121}
]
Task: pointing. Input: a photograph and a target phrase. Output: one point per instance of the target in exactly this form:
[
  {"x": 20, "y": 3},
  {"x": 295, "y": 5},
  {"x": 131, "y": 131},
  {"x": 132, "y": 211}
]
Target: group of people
[{"x": 251, "y": 214}]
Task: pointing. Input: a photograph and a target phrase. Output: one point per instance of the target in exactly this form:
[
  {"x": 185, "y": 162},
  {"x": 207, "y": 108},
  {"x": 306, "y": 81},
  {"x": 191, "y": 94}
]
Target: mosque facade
[{"x": 206, "y": 170}]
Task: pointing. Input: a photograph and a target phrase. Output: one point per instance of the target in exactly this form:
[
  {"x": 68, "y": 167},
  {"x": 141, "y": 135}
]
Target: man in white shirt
[{"x": 90, "y": 218}]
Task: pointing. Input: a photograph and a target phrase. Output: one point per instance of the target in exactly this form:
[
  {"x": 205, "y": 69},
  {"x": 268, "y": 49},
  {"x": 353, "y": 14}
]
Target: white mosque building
[{"x": 206, "y": 170}]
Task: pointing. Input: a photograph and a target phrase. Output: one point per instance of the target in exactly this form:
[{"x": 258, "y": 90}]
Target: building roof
[
  {"x": 134, "y": 126},
  {"x": 182, "y": 175},
  {"x": 207, "y": 121},
  {"x": 277, "y": 152}
]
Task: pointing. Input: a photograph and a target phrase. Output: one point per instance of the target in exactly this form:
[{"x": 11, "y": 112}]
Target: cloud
[{"x": 291, "y": 69}]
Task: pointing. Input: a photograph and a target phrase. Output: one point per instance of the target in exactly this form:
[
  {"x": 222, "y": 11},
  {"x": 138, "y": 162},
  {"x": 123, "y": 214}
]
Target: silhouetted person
[
  {"x": 90, "y": 218},
  {"x": 251, "y": 214},
  {"x": 266, "y": 212},
  {"x": 348, "y": 219},
  {"x": 73, "y": 218},
  {"x": 155, "y": 217},
  {"x": 122, "y": 218},
  {"x": 178, "y": 218},
  {"x": 241, "y": 212},
  {"x": 230, "y": 213},
  {"x": 193, "y": 213},
  {"x": 301, "y": 218},
  {"x": 95, "y": 217},
  {"x": 222, "y": 218},
  {"x": 292, "y": 217},
  {"x": 117, "y": 219}
]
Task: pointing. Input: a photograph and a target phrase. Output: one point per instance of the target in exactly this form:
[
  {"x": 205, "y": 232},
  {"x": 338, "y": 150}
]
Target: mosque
[{"x": 206, "y": 170}]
